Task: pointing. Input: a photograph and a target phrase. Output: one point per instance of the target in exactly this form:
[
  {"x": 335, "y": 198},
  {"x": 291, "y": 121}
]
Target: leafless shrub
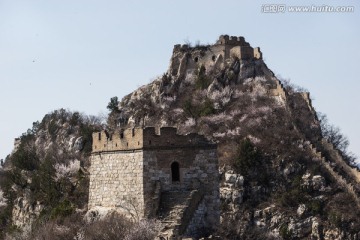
[
  {"x": 119, "y": 227},
  {"x": 291, "y": 87},
  {"x": 67, "y": 170},
  {"x": 111, "y": 228},
  {"x": 333, "y": 134},
  {"x": 58, "y": 229},
  {"x": 143, "y": 230}
]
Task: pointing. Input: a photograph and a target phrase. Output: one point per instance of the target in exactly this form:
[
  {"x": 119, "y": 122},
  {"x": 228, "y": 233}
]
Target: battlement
[
  {"x": 232, "y": 40},
  {"x": 145, "y": 138},
  {"x": 127, "y": 139}
]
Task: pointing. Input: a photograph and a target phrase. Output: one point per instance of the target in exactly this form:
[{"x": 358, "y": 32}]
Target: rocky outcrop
[
  {"x": 316, "y": 182},
  {"x": 231, "y": 191},
  {"x": 2, "y": 199},
  {"x": 24, "y": 213}
]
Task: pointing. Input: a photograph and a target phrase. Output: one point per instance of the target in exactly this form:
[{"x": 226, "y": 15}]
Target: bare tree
[{"x": 333, "y": 134}]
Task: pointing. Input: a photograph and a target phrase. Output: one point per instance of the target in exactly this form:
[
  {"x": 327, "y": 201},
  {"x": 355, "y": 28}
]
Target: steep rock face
[
  {"x": 25, "y": 213},
  {"x": 232, "y": 190}
]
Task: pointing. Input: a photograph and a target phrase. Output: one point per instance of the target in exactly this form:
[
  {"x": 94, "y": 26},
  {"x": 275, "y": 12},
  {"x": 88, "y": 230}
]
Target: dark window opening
[
  {"x": 133, "y": 132},
  {"x": 121, "y": 134},
  {"x": 196, "y": 59},
  {"x": 175, "y": 172},
  {"x": 213, "y": 58},
  {"x": 138, "y": 143},
  {"x": 115, "y": 144},
  {"x": 127, "y": 144},
  {"x": 149, "y": 142},
  {"x": 99, "y": 136}
]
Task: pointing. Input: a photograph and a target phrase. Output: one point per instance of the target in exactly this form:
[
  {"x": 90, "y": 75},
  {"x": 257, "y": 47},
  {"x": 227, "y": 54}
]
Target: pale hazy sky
[{"x": 77, "y": 54}]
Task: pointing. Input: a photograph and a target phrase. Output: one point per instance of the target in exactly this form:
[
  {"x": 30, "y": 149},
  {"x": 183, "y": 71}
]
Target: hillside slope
[
  {"x": 45, "y": 177},
  {"x": 284, "y": 173},
  {"x": 294, "y": 181}
]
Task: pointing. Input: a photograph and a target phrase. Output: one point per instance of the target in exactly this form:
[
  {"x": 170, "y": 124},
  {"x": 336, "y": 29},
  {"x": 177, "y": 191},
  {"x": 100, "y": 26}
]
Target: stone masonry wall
[
  {"x": 116, "y": 181},
  {"x": 198, "y": 169},
  {"x": 198, "y": 220}
]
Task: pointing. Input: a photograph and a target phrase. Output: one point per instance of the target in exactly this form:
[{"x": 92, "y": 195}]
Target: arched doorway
[{"x": 175, "y": 172}]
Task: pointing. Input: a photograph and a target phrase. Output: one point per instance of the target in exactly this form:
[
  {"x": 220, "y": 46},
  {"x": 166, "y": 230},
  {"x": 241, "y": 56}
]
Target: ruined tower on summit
[
  {"x": 144, "y": 174},
  {"x": 185, "y": 58}
]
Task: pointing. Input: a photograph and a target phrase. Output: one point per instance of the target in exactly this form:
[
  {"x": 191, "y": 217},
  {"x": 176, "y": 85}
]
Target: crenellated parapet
[
  {"x": 125, "y": 139},
  {"x": 144, "y": 138},
  {"x": 238, "y": 47},
  {"x": 232, "y": 40},
  {"x": 334, "y": 161}
]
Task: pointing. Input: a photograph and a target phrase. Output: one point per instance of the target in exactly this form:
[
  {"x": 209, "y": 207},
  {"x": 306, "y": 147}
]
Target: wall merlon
[
  {"x": 177, "y": 48},
  {"x": 233, "y": 38},
  {"x": 241, "y": 39},
  {"x": 257, "y": 53}
]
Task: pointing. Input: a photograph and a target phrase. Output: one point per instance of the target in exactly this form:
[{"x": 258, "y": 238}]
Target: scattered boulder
[
  {"x": 233, "y": 180},
  {"x": 97, "y": 213},
  {"x": 24, "y": 213},
  {"x": 316, "y": 182},
  {"x": 301, "y": 210},
  {"x": 315, "y": 229},
  {"x": 79, "y": 144},
  {"x": 232, "y": 191}
]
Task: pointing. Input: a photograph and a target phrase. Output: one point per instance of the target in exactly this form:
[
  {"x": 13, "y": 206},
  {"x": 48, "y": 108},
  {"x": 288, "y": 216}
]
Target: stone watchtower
[
  {"x": 166, "y": 175},
  {"x": 186, "y": 59}
]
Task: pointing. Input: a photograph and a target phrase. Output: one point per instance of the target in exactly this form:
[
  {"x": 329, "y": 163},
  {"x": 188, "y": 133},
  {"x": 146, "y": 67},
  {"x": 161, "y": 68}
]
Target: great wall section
[
  {"x": 332, "y": 163},
  {"x": 143, "y": 174}
]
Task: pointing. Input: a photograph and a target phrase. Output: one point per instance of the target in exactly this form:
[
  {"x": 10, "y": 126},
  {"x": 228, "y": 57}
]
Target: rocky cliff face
[{"x": 279, "y": 178}]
